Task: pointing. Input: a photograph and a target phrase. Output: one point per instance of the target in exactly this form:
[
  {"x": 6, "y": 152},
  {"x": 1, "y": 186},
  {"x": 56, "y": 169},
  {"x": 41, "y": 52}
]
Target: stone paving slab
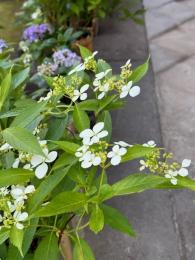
[{"x": 168, "y": 16}]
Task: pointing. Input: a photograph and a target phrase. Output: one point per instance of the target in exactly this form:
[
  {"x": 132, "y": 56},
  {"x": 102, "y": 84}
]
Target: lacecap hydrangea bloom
[
  {"x": 66, "y": 58},
  {"x": 36, "y": 32}
]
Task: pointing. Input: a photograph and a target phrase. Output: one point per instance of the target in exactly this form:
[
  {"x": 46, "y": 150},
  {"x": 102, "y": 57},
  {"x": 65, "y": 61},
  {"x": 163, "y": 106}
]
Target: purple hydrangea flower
[
  {"x": 3, "y": 45},
  {"x": 36, "y": 32},
  {"x": 66, "y": 57}
]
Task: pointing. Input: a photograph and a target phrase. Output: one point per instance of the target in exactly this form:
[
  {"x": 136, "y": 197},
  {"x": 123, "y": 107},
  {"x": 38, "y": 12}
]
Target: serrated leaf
[
  {"x": 68, "y": 147},
  {"x": 81, "y": 119},
  {"x": 45, "y": 188},
  {"x": 14, "y": 176},
  {"x": 82, "y": 251},
  {"x": 116, "y": 220},
  {"x": 16, "y": 238},
  {"x": 68, "y": 201},
  {"x": 22, "y": 140},
  {"x": 47, "y": 248},
  {"x": 136, "y": 151},
  {"x": 96, "y": 221}
]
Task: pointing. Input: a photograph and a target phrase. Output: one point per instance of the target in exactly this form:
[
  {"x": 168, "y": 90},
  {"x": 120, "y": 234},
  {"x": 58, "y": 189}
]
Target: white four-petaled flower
[
  {"x": 92, "y": 136},
  {"x": 116, "y": 154},
  {"x": 80, "y": 93},
  {"x": 133, "y": 91},
  {"x": 40, "y": 162}
]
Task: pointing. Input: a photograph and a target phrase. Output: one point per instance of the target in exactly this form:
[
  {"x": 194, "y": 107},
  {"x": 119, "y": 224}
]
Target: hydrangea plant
[{"x": 55, "y": 152}]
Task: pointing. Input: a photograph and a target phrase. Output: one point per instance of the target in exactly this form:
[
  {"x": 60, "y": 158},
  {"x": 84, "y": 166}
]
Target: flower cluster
[
  {"x": 38, "y": 163},
  {"x": 3, "y": 45},
  {"x": 93, "y": 151},
  {"x": 47, "y": 68},
  {"x": 66, "y": 58},
  {"x": 36, "y": 32},
  {"x": 159, "y": 163},
  {"x": 12, "y": 204}
]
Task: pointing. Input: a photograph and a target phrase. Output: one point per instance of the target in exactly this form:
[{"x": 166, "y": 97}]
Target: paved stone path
[
  {"x": 164, "y": 220},
  {"x": 171, "y": 33}
]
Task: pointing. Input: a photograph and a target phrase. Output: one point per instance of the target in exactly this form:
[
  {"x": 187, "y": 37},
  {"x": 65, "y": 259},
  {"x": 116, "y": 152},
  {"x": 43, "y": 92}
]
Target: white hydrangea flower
[
  {"x": 100, "y": 76},
  {"x": 133, "y": 91},
  {"x": 91, "y": 136},
  {"x": 90, "y": 159},
  {"x": 103, "y": 89},
  {"x": 143, "y": 165},
  {"x": 81, "y": 152},
  {"x": 40, "y": 162},
  {"x": 171, "y": 175},
  {"x": 20, "y": 193},
  {"x": 116, "y": 154},
  {"x": 20, "y": 217},
  {"x": 80, "y": 93},
  {"x": 183, "y": 171},
  {"x": 126, "y": 64},
  {"x": 150, "y": 143}
]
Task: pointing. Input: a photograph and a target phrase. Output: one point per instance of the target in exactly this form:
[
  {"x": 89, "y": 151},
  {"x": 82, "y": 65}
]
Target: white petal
[
  {"x": 86, "y": 164},
  {"x": 22, "y": 216},
  {"x": 174, "y": 181},
  {"x": 134, "y": 91},
  {"x": 115, "y": 148},
  {"x": 186, "y": 163},
  {"x": 122, "y": 151},
  {"x": 29, "y": 189},
  {"x": 96, "y": 161},
  {"x": 83, "y": 96},
  {"x": 110, "y": 154},
  {"x": 41, "y": 171},
  {"x": 167, "y": 175},
  {"x": 100, "y": 75},
  {"x": 98, "y": 127},
  {"x": 95, "y": 139},
  {"x": 100, "y": 96},
  {"x": 19, "y": 225},
  {"x": 116, "y": 160},
  {"x": 27, "y": 166},
  {"x": 16, "y": 163},
  {"x": 102, "y": 134},
  {"x": 86, "y": 141},
  {"x": 16, "y": 192},
  {"x": 86, "y": 133},
  {"x": 36, "y": 160},
  {"x": 84, "y": 88},
  {"x": 124, "y": 94},
  {"x": 183, "y": 172},
  {"x": 51, "y": 156},
  {"x": 123, "y": 144},
  {"x": 75, "y": 98}
]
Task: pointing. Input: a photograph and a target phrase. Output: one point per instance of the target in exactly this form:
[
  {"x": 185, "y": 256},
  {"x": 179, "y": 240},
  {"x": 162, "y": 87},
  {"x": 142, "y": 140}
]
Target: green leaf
[
  {"x": 103, "y": 66},
  {"x": 182, "y": 182},
  {"x": 82, "y": 251},
  {"x": 96, "y": 221},
  {"x": 4, "y": 88},
  {"x": 105, "y": 102},
  {"x": 64, "y": 202},
  {"x": 28, "y": 114},
  {"x": 16, "y": 238},
  {"x": 64, "y": 160},
  {"x": 88, "y": 105},
  {"x": 136, "y": 151},
  {"x": 116, "y": 220},
  {"x": 81, "y": 119},
  {"x": 56, "y": 128},
  {"x": 85, "y": 53},
  {"x": 14, "y": 176},
  {"x": 137, "y": 183},
  {"x": 66, "y": 146},
  {"x": 19, "y": 77},
  {"x": 22, "y": 140},
  {"x": 4, "y": 235},
  {"x": 45, "y": 188},
  {"x": 47, "y": 248},
  {"x": 139, "y": 72}
]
